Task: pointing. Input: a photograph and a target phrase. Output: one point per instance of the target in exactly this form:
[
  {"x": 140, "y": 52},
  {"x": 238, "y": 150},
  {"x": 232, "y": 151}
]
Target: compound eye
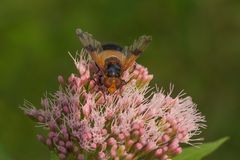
[{"x": 113, "y": 70}]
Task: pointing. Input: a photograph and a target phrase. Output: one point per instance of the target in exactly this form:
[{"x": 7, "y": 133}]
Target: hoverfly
[{"x": 112, "y": 60}]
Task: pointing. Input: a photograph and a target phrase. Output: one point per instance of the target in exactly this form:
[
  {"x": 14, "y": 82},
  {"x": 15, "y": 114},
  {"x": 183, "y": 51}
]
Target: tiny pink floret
[{"x": 83, "y": 120}]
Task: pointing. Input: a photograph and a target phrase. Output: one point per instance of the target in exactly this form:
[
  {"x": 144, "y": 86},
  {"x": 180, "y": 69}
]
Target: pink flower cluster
[{"x": 84, "y": 122}]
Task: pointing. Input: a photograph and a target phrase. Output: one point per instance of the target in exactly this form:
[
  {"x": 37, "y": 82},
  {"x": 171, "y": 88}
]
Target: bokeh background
[{"x": 196, "y": 46}]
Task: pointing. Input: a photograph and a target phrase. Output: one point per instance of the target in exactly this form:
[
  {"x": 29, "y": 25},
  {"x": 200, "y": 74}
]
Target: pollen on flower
[{"x": 84, "y": 122}]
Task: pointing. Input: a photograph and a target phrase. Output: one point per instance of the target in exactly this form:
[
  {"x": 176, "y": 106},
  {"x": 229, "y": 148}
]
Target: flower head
[{"x": 83, "y": 121}]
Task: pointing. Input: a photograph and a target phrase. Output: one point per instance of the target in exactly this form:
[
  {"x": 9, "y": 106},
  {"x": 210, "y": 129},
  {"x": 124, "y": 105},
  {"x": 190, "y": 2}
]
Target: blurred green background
[{"x": 196, "y": 46}]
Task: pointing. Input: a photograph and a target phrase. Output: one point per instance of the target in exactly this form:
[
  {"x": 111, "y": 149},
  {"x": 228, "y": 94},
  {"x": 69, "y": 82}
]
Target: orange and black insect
[{"x": 111, "y": 59}]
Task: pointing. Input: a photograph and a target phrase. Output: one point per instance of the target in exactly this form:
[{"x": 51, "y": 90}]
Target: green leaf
[
  {"x": 193, "y": 153},
  {"x": 53, "y": 156}
]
